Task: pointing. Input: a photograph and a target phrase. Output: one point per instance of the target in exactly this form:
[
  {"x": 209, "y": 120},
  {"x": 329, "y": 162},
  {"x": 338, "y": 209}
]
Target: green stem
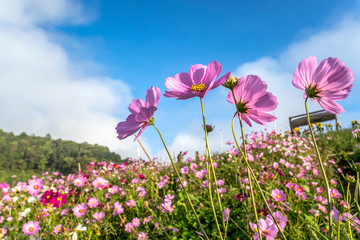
[
  {"x": 181, "y": 182},
  {"x": 249, "y": 177},
  {"x": 211, "y": 198},
  {"x": 248, "y": 165},
  {"x": 256, "y": 182},
  {"x": 322, "y": 171},
  {"x": 338, "y": 236},
  {"x": 211, "y": 162},
  {"x": 347, "y": 214}
]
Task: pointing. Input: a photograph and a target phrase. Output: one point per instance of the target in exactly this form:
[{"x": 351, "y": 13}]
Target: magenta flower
[
  {"x": 252, "y": 100},
  {"x": 197, "y": 83},
  {"x": 31, "y": 228},
  {"x": 326, "y": 83},
  {"x": 141, "y": 114},
  {"x": 278, "y": 195}
]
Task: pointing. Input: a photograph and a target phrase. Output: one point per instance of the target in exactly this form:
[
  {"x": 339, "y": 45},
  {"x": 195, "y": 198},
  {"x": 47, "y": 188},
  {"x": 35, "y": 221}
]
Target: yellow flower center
[
  {"x": 58, "y": 199},
  {"x": 265, "y": 231},
  {"x": 36, "y": 186},
  {"x": 31, "y": 229},
  {"x": 278, "y": 196},
  {"x": 80, "y": 211},
  {"x": 198, "y": 87}
]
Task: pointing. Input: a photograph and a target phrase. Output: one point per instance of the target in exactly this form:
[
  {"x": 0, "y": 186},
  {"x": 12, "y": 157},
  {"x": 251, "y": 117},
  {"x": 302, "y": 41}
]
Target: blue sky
[{"x": 70, "y": 68}]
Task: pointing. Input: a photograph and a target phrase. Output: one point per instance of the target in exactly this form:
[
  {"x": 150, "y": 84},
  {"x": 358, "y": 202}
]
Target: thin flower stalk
[
  {"x": 347, "y": 214},
  {"x": 211, "y": 198},
  {"x": 322, "y": 172},
  {"x": 182, "y": 184},
  {"x": 256, "y": 182},
  {"x": 250, "y": 181},
  {"x": 211, "y": 163},
  {"x": 339, "y": 223}
]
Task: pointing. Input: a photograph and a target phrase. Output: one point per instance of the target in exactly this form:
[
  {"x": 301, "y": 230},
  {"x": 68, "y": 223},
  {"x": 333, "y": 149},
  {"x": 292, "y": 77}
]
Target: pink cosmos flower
[
  {"x": 118, "y": 209},
  {"x": 131, "y": 203},
  {"x": 326, "y": 83},
  {"x": 57, "y": 229},
  {"x": 280, "y": 219},
  {"x": 197, "y": 83},
  {"x": 35, "y": 186},
  {"x": 278, "y": 195},
  {"x": 141, "y": 114},
  {"x": 253, "y": 100},
  {"x": 142, "y": 236},
  {"x": 129, "y": 227},
  {"x": 98, "y": 216},
  {"x": 226, "y": 214},
  {"x": 268, "y": 229},
  {"x": 79, "y": 210},
  {"x": 31, "y": 228},
  {"x": 93, "y": 202},
  {"x": 80, "y": 181},
  {"x": 136, "y": 222}
]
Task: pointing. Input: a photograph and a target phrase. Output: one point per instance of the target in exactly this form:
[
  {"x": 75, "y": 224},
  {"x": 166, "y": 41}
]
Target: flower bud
[
  {"x": 209, "y": 128},
  {"x": 350, "y": 178},
  {"x": 343, "y": 206},
  {"x": 231, "y": 82}
]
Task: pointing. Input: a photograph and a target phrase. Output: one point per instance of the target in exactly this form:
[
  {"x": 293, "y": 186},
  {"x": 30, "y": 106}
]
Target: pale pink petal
[
  {"x": 145, "y": 114},
  {"x": 332, "y": 74},
  {"x": 197, "y": 73},
  {"x": 153, "y": 96},
  {"x": 304, "y": 73},
  {"x": 135, "y": 105},
  {"x": 213, "y": 70},
  {"x": 329, "y": 105},
  {"x": 174, "y": 84},
  {"x": 221, "y": 80},
  {"x": 266, "y": 102}
]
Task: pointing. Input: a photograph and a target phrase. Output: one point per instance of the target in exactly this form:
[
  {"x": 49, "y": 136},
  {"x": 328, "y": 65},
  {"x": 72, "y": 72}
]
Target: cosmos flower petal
[
  {"x": 135, "y": 105},
  {"x": 333, "y": 74},
  {"x": 266, "y": 102},
  {"x": 213, "y": 70},
  {"x": 153, "y": 96},
  {"x": 179, "y": 83},
  {"x": 197, "y": 73},
  {"x": 303, "y": 75},
  {"x": 221, "y": 80},
  {"x": 330, "y": 105},
  {"x": 141, "y": 113},
  {"x": 200, "y": 80}
]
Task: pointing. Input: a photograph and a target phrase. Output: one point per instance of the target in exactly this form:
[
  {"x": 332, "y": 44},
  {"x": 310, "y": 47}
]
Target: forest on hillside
[{"x": 25, "y": 155}]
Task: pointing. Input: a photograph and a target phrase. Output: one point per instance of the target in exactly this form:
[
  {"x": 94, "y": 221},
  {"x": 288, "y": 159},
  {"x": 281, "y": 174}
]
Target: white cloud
[
  {"x": 341, "y": 40},
  {"x": 41, "y": 94}
]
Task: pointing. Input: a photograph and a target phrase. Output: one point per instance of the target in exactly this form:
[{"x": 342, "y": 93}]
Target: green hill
[{"x": 25, "y": 155}]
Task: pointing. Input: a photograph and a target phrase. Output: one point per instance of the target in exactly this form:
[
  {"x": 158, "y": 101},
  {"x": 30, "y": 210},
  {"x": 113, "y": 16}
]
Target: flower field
[
  {"x": 302, "y": 184},
  {"x": 139, "y": 200}
]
